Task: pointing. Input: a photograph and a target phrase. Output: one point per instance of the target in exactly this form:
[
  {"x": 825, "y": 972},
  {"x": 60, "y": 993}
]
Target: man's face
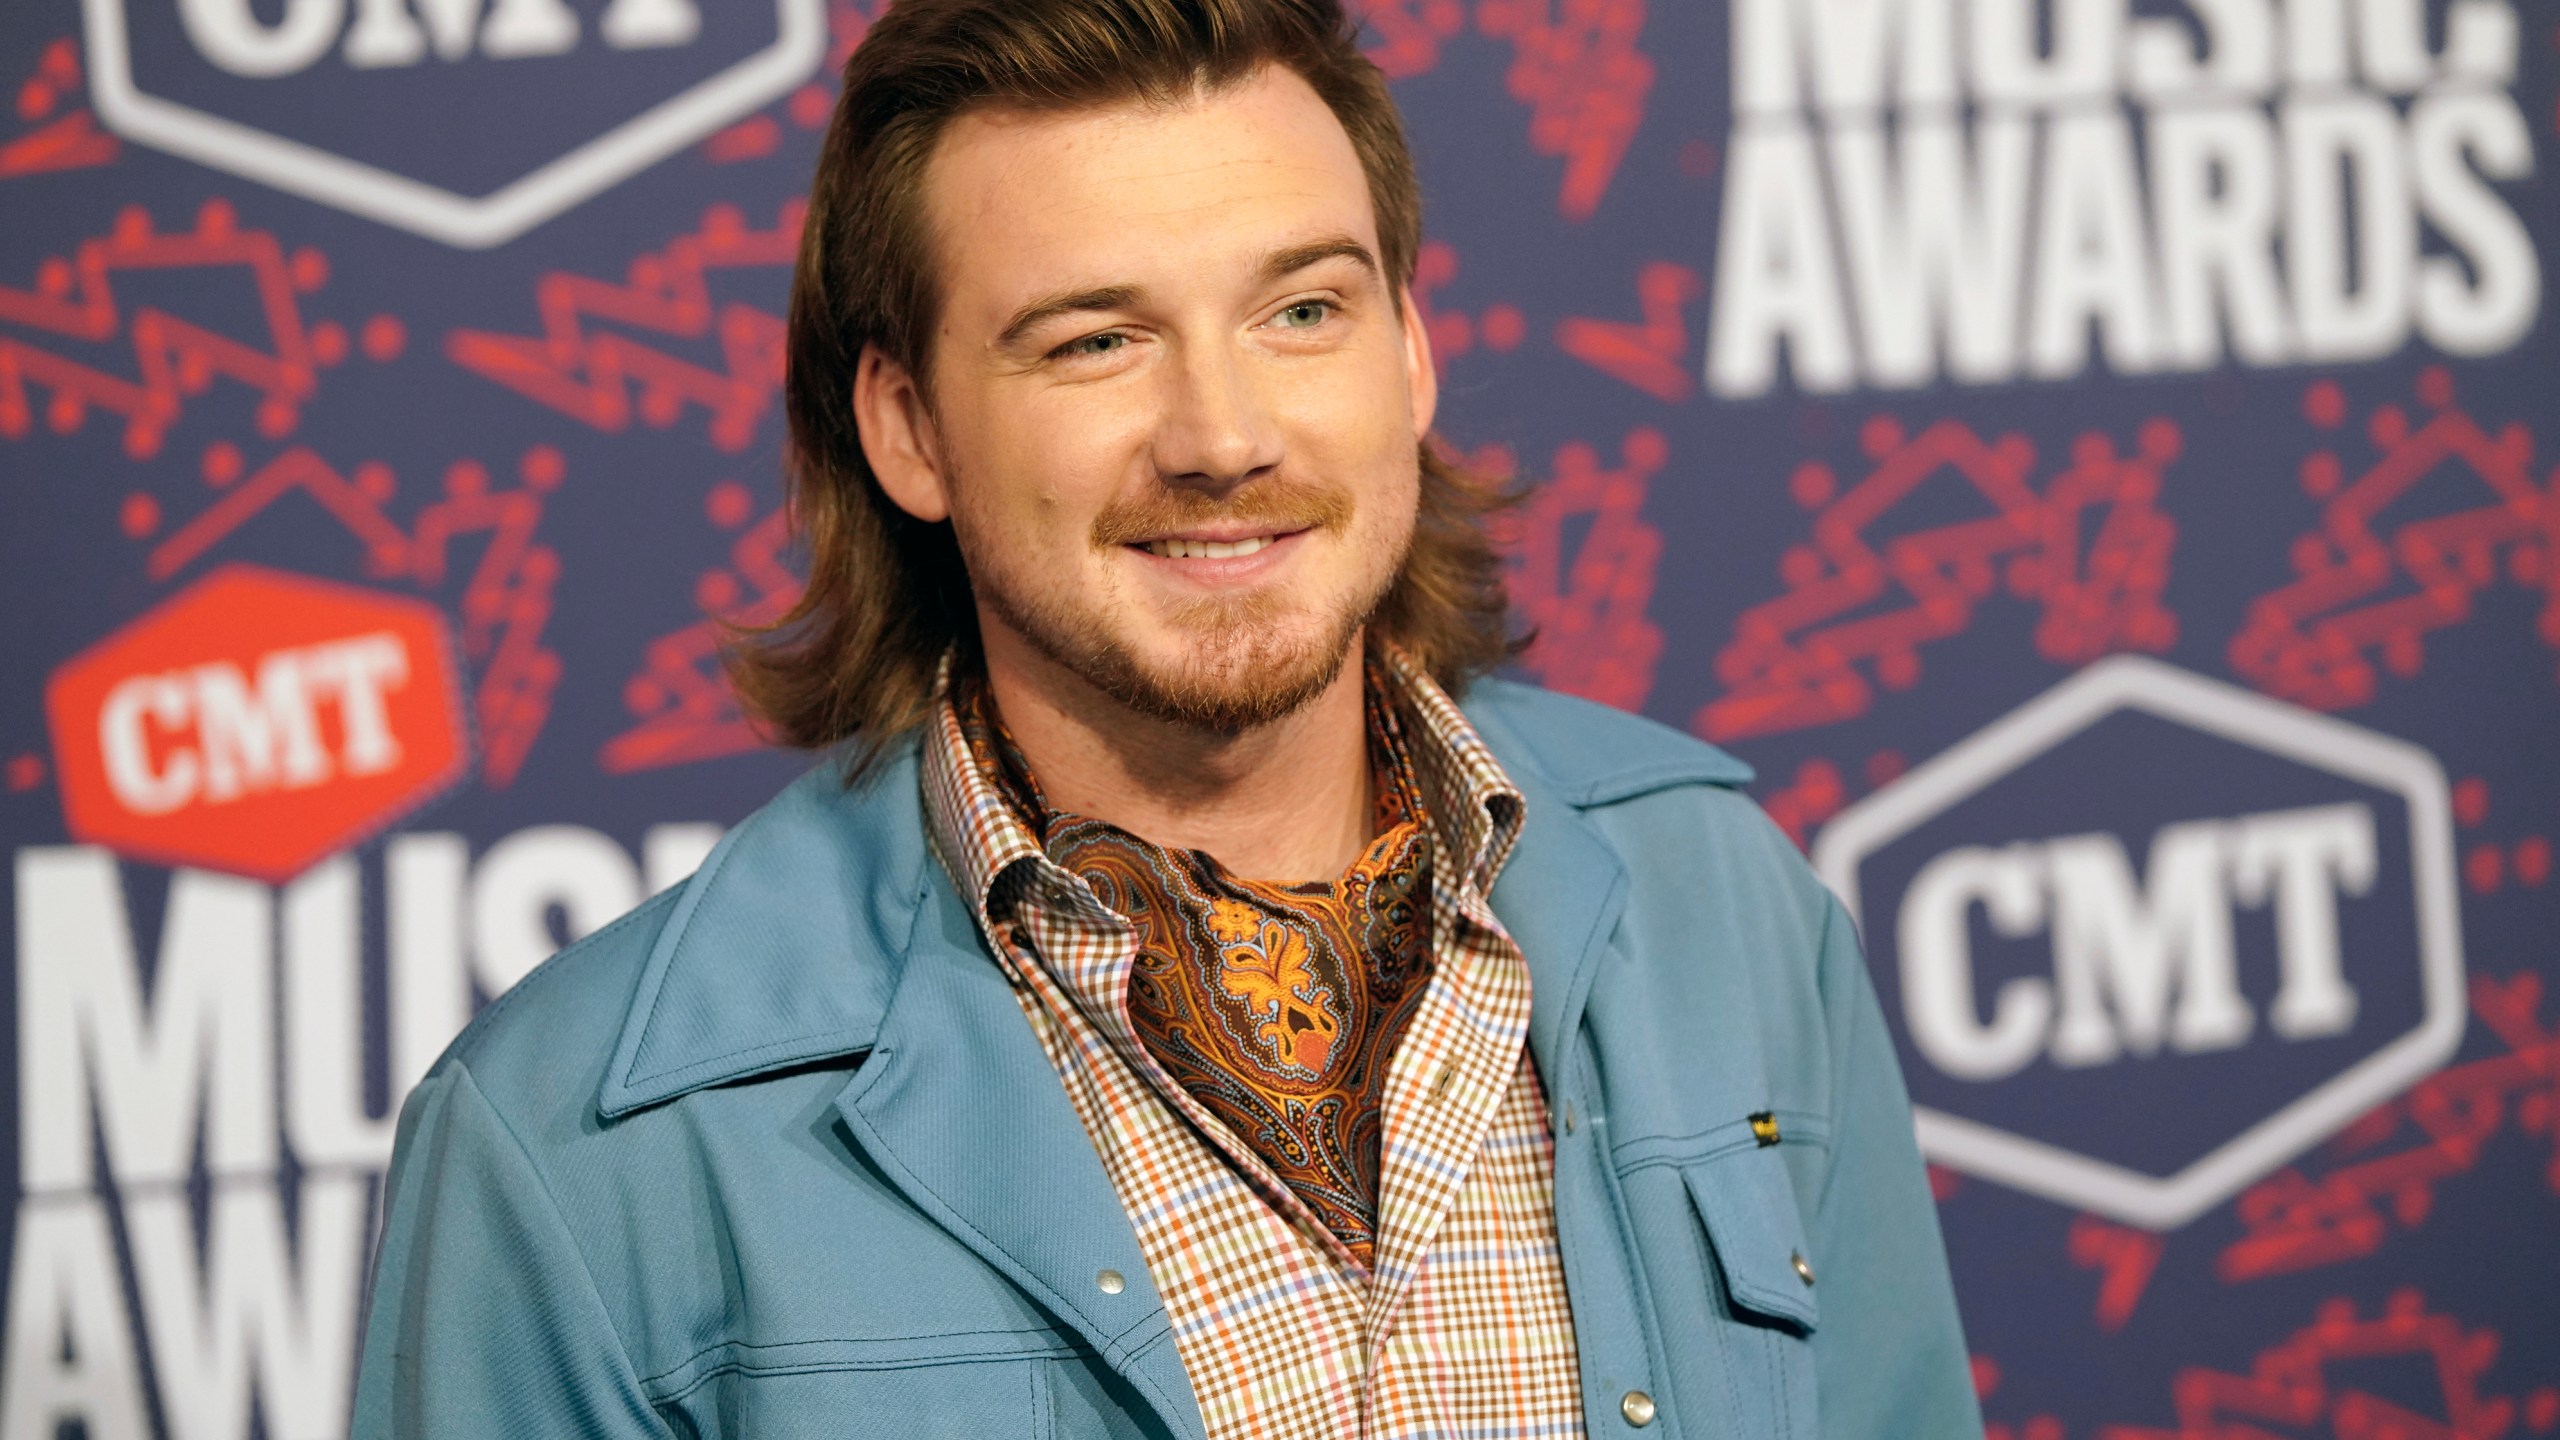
[{"x": 1175, "y": 402}]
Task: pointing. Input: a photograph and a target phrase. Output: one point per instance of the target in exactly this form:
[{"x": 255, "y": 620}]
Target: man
[{"x": 1172, "y": 1013}]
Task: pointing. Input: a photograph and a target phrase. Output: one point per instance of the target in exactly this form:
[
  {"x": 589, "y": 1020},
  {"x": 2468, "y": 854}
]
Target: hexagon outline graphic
[
  {"x": 465, "y": 222},
  {"x": 227, "y": 618},
  {"x": 2244, "y": 717}
]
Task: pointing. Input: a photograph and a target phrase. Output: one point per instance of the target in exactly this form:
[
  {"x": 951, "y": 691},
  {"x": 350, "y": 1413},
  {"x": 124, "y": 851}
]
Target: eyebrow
[
  {"x": 1040, "y": 312},
  {"x": 1274, "y": 266},
  {"x": 1314, "y": 252}
]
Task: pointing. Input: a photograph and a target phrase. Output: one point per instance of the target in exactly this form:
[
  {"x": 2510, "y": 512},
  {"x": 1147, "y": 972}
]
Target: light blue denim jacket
[{"x": 776, "y": 1155}]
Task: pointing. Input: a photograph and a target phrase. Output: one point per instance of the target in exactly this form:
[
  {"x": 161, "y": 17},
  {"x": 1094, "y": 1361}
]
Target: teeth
[{"x": 1206, "y": 549}]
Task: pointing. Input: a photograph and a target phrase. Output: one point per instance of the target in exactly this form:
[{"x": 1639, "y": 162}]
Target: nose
[{"x": 1218, "y": 431}]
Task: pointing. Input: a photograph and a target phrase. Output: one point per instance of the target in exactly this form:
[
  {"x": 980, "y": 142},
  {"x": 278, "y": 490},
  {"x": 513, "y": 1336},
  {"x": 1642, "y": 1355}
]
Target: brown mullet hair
[{"x": 854, "y": 661}]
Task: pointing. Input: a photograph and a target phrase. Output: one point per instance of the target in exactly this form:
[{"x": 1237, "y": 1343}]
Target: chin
[
  {"x": 1230, "y": 677},
  {"x": 1224, "y": 665}
]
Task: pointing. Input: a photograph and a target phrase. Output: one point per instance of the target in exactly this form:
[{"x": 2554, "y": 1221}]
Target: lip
[
  {"x": 1223, "y": 534},
  {"x": 1226, "y": 572}
]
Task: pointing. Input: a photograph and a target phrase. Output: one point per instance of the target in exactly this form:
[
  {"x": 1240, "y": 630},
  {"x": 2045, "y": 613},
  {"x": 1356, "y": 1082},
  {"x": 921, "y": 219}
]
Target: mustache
[{"x": 1274, "y": 506}]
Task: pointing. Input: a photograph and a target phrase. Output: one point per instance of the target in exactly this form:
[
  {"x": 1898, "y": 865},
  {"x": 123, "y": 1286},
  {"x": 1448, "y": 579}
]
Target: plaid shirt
[{"x": 1462, "y": 1329}]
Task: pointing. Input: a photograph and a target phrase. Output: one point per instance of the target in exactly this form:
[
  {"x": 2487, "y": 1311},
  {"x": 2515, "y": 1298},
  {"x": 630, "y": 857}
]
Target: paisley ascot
[{"x": 1275, "y": 1006}]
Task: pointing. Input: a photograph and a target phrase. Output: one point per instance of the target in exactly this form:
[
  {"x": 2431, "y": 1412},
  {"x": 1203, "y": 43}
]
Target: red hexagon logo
[{"x": 257, "y": 722}]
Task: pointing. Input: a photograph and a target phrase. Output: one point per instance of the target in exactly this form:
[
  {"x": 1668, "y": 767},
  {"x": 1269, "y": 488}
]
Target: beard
[{"x": 1246, "y": 660}]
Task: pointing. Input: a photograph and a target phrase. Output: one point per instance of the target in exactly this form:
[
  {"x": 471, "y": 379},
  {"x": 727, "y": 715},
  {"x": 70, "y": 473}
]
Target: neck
[{"x": 1288, "y": 801}]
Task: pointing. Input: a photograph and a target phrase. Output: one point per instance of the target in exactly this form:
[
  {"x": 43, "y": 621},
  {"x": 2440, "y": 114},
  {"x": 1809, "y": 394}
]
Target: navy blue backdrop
[{"x": 2082, "y": 452}]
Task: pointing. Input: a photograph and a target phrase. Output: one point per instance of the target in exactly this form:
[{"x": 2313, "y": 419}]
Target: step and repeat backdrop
[{"x": 2096, "y": 458}]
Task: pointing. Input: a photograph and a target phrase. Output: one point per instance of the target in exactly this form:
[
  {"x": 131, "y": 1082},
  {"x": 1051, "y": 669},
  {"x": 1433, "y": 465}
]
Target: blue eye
[{"x": 1102, "y": 344}]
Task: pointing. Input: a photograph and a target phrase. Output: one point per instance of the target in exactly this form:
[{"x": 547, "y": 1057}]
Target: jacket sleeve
[
  {"x": 483, "y": 1319},
  {"x": 1890, "y": 1353}
]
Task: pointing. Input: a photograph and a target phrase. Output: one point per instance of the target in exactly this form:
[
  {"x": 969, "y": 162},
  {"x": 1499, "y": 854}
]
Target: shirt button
[
  {"x": 1804, "y": 1270},
  {"x": 1637, "y": 1406},
  {"x": 1440, "y": 1082},
  {"x": 1111, "y": 1281}
]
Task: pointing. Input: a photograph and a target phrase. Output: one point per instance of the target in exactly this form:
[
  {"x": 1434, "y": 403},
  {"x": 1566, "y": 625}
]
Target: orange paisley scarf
[{"x": 1275, "y": 1007}]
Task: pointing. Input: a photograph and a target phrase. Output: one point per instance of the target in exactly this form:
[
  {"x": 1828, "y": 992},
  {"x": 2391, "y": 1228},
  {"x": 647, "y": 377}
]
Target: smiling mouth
[{"x": 1177, "y": 549}]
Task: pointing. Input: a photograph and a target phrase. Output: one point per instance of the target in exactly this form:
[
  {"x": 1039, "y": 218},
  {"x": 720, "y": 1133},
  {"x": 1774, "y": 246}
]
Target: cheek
[
  {"x": 1074, "y": 451},
  {"x": 1356, "y": 412},
  {"x": 1033, "y": 481},
  {"x": 1353, "y": 426},
  {"x": 1399, "y": 502},
  {"x": 1384, "y": 485}
]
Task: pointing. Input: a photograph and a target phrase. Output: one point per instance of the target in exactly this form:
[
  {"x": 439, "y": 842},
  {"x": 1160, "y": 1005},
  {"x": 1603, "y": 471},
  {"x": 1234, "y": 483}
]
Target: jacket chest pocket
[{"x": 1749, "y": 1327}]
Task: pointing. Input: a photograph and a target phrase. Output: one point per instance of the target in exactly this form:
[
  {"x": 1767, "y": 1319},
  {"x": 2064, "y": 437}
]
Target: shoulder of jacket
[
  {"x": 1591, "y": 754},
  {"x": 779, "y": 950},
  {"x": 553, "y": 1031}
]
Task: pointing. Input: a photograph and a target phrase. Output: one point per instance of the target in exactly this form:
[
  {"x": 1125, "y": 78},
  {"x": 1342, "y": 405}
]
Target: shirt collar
[
  {"x": 1476, "y": 811},
  {"x": 976, "y": 831}
]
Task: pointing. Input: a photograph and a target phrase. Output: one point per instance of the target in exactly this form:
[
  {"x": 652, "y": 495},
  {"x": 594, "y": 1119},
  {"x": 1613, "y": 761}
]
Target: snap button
[
  {"x": 1804, "y": 1271},
  {"x": 1764, "y": 1128},
  {"x": 1112, "y": 1283},
  {"x": 1637, "y": 1406}
]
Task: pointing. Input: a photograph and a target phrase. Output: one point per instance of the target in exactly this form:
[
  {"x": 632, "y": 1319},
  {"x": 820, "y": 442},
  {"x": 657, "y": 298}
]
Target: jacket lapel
[
  {"x": 1560, "y": 896},
  {"x": 1565, "y": 887},
  {"x": 823, "y": 927},
  {"x": 959, "y": 1106}
]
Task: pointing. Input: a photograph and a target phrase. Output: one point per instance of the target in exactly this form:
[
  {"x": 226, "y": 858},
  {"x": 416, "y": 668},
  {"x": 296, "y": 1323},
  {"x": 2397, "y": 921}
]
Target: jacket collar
[{"x": 787, "y": 944}]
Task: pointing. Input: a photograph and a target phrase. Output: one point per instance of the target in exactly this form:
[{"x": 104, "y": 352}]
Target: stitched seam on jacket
[
  {"x": 1811, "y": 1130},
  {"x": 1778, "y": 1382},
  {"x": 1162, "y": 1319},
  {"x": 1119, "y": 1338},
  {"x": 1057, "y": 1301},
  {"x": 462, "y": 1070},
  {"x": 736, "y": 1057},
  {"x": 1008, "y": 1357},
  {"x": 1832, "y": 914},
  {"x": 1651, "y": 780},
  {"x": 754, "y": 1348},
  {"x": 1569, "y": 1241},
  {"x": 1593, "y": 792},
  {"x": 1657, "y": 1352},
  {"x": 1724, "y": 1351},
  {"x": 651, "y": 1022},
  {"x": 1044, "y": 1402},
  {"x": 719, "y": 861},
  {"x": 543, "y": 972}
]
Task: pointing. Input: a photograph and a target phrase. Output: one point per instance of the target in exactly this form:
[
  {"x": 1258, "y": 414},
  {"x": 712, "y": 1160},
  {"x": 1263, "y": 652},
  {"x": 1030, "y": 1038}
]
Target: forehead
[{"x": 1130, "y": 192}]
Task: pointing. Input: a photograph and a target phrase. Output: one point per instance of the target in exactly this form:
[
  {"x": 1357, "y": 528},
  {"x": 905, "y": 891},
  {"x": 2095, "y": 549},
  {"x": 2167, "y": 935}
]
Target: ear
[
  {"x": 1421, "y": 378},
  {"x": 898, "y": 436}
]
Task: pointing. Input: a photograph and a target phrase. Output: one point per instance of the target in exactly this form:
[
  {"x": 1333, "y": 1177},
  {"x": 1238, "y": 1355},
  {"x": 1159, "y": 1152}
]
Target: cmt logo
[
  {"x": 468, "y": 121},
  {"x": 256, "y": 723},
  {"x": 2134, "y": 965},
  {"x": 2151, "y": 936},
  {"x": 251, "y": 736},
  {"x": 230, "y": 34}
]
